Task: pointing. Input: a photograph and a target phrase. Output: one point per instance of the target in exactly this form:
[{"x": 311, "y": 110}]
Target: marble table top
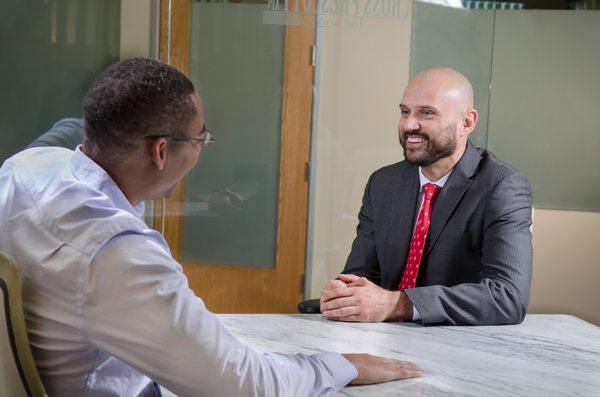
[{"x": 546, "y": 355}]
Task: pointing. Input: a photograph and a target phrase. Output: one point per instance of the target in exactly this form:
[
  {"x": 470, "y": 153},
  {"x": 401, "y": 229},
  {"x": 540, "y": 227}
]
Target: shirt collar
[
  {"x": 440, "y": 182},
  {"x": 85, "y": 169}
]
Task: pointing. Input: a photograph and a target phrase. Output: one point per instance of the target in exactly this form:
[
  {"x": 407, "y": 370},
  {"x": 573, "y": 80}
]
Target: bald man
[{"x": 443, "y": 236}]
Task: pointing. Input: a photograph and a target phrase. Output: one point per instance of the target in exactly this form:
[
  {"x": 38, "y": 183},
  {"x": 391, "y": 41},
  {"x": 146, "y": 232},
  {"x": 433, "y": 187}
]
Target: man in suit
[{"x": 443, "y": 236}]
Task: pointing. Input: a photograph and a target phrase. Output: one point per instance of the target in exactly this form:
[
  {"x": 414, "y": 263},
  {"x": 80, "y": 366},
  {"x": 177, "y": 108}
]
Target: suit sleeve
[
  {"x": 363, "y": 260},
  {"x": 502, "y": 294},
  {"x": 67, "y": 133}
]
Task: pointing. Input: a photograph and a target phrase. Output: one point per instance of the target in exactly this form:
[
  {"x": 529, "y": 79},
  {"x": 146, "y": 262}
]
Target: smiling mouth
[{"x": 414, "y": 140}]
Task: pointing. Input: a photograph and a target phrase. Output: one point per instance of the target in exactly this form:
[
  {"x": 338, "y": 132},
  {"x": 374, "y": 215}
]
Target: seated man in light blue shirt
[{"x": 108, "y": 309}]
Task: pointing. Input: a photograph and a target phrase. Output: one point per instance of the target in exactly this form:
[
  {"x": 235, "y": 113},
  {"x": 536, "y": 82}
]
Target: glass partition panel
[
  {"x": 236, "y": 63},
  {"x": 50, "y": 51},
  {"x": 458, "y": 38},
  {"x": 544, "y": 103}
]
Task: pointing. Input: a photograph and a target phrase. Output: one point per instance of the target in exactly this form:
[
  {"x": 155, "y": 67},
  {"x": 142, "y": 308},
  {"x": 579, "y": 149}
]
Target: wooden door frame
[{"x": 292, "y": 215}]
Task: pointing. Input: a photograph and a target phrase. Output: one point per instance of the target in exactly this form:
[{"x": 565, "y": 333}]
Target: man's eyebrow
[
  {"x": 426, "y": 107},
  {"x": 420, "y": 107}
]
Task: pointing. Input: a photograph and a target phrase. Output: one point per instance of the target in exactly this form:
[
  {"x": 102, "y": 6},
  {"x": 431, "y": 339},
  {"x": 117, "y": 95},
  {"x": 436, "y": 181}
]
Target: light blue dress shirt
[
  {"x": 108, "y": 308},
  {"x": 423, "y": 180}
]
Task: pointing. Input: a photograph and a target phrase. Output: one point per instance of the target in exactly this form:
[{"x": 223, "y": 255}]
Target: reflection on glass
[
  {"x": 236, "y": 63},
  {"x": 50, "y": 51}
]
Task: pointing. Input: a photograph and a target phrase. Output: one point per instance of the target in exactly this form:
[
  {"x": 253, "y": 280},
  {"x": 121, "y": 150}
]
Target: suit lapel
[
  {"x": 404, "y": 204},
  {"x": 453, "y": 191}
]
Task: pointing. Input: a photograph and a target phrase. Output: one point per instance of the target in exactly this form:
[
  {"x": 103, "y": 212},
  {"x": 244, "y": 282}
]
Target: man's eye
[
  {"x": 426, "y": 112},
  {"x": 404, "y": 112}
]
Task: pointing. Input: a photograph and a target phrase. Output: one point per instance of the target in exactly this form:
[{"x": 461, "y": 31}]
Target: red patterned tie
[{"x": 417, "y": 244}]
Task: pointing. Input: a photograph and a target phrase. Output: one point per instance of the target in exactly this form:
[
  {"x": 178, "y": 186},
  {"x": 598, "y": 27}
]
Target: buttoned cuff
[{"x": 342, "y": 370}]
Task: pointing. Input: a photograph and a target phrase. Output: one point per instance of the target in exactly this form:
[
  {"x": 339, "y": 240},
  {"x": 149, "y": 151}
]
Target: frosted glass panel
[
  {"x": 545, "y": 103},
  {"x": 457, "y": 38},
  {"x": 236, "y": 62},
  {"x": 50, "y": 51}
]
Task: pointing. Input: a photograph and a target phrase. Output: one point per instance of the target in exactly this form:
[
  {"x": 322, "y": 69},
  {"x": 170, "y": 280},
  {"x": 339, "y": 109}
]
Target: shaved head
[
  {"x": 437, "y": 117},
  {"x": 451, "y": 85}
]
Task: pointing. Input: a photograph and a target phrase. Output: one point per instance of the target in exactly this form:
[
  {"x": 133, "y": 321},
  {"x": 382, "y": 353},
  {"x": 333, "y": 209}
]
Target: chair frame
[{"x": 17, "y": 331}]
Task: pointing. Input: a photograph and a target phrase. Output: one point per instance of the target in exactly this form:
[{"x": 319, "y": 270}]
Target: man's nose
[{"x": 408, "y": 123}]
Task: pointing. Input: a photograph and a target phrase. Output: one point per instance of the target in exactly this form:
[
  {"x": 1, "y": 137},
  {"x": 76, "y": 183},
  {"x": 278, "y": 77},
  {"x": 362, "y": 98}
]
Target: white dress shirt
[
  {"x": 422, "y": 181},
  {"x": 108, "y": 308}
]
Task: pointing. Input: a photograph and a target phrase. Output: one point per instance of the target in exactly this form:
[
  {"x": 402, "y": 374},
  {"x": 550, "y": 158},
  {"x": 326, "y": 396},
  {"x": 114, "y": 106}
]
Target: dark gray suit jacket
[
  {"x": 67, "y": 133},
  {"x": 476, "y": 267}
]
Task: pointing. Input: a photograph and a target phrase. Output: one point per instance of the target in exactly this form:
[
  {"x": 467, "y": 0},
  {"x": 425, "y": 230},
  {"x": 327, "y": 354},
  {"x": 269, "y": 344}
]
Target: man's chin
[{"x": 416, "y": 158}]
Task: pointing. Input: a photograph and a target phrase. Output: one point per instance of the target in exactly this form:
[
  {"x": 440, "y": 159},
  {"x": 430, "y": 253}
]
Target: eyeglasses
[{"x": 206, "y": 140}]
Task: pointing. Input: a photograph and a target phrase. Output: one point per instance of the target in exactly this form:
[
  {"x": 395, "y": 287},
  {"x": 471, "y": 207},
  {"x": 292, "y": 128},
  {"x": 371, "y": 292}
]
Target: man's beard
[{"x": 442, "y": 146}]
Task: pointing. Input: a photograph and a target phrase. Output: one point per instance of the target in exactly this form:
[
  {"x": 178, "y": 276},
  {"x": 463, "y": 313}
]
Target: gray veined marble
[{"x": 546, "y": 355}]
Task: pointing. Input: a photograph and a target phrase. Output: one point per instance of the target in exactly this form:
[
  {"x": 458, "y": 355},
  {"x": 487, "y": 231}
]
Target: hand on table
[
  {"x": 373, "y": 369},
  {"x": 353, "y": 298}
]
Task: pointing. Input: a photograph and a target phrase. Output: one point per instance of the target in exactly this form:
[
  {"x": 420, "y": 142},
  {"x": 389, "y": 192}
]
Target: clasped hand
[{"x": 353, "y": 298}]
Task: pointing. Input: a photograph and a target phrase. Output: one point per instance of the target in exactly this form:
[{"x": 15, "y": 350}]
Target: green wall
[{"x": 536, "y": 78}]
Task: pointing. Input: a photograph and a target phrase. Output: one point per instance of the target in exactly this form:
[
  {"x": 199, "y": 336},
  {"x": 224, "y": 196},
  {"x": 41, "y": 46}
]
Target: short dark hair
[{"x": 131, "y": 99}]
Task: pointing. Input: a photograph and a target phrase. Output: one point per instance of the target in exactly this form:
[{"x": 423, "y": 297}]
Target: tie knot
[{"x": 430, "y": 190}]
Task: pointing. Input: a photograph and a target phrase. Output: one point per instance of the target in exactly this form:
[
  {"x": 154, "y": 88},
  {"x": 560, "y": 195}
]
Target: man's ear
[
  {"x": 158, "y": 153},
  {"x": 470, "y": 121}
]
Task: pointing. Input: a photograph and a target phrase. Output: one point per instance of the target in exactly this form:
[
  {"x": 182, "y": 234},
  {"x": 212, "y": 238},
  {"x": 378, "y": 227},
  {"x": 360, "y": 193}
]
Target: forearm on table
[{"x": 143, "y": 313}]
